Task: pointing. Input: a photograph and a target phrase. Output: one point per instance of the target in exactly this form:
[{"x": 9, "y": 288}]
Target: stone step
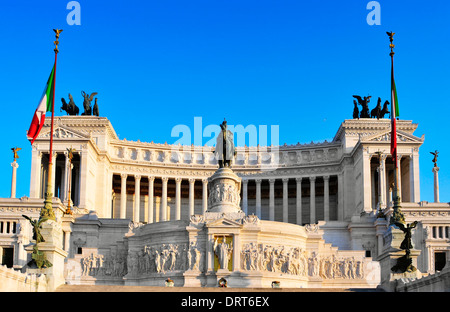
[{"x": 119, "y": 288}]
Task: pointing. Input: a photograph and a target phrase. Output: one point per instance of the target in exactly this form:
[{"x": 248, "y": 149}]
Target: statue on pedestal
[
  {"x": 404, "y": 263},
  {"x": 225, "y": 150},
  {"x": 37, "y": 256}
]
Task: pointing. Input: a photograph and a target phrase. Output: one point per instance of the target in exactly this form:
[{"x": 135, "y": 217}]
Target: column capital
[
  {"x": 299, "y": 180},
  {"x": 137, "y": 177},
  {"x": 178, "y": 180},
  {"x": 124, "y": 175},
  {"x": 245, "y": 181},
  {"x": 272, "y": 181},
  {"x": 151, "y": 178},
  {"x": 205, "y": 181},
  {"x": 258, "y": 181},
  {"x": 326, "y": 177},
  {"x": 285, "y": 180},
  {"x": 312, "y": 179},
  {"x": 165, "y": 179},
  {"x": 191, "y": 180}
]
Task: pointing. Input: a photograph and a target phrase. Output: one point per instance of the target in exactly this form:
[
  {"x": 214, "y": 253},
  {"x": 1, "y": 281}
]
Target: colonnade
[
  {"x": 39, "y": 176},
  {"x": 162, "y": 211}
]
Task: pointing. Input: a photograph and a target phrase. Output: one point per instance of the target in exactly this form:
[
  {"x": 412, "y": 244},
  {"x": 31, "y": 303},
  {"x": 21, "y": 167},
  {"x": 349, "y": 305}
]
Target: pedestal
[
  {"x": 52, "y": 248},
  {"x": 436, "y": 184},
  {"x": 390, "y": 256},
  {"x": 14, "y": 165},
  {"x": 224, "y": 188}
]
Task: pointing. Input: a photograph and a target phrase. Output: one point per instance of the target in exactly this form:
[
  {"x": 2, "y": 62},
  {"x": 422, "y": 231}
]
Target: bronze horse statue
[
  {"x": 71, "y": 108},
  {"x": 377, "y": 110},
  {"x": 385, "y": 110}
]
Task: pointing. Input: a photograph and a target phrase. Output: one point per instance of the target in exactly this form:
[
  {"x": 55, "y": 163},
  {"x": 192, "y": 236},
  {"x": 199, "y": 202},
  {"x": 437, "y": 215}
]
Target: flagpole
[
  {"x": 47, "y": 211},
  {"x": 397, "y": 215}
]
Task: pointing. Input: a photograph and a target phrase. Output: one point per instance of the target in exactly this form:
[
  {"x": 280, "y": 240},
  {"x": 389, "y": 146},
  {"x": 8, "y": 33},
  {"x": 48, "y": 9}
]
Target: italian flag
[
  {"x": 45, "y": 105},
  {"x": 394, "y": 114}
]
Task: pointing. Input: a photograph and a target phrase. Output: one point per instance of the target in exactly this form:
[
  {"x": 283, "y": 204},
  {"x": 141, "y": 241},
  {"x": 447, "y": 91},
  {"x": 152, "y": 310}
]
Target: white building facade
[{"x": 344, "y": 185}]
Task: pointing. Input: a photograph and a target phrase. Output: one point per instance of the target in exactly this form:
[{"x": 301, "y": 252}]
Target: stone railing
[{"x": 15, "y": 281}]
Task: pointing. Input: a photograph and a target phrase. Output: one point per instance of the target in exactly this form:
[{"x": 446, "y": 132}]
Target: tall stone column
[
  {"x": 191, "y": 196},
  {"x": 245, "y": 196},
  {"x": 65, "y": 180},
  {"x": 151, "y": 181},
  {"x": 399, "y": 157},
  {"x": 83, "y": 178},
  {"x": 205, "y": 196},
  {"x": 312, "y": 204},
  {"x": 55, "y": 155},
  {"x": 299, "y": 200},
  {"x": 340, "y": 211},
  {"x": 35, "y": 174},
  {"x": 14, "y": 165},
  {"x": 272, "y": 199},
  {"x": 123, "y": 196},
  {"x": 178, "y": 198},
  {"x": 137, "y": 199},
  {"x": 436, "y": 184},
  {"x": 414, "y": 176},
  {"x": 258, "y": 198},
  {"x": 164, "y": 199},
  {"x": 326, "y": 197},
  {"x": 285, "y": 199},
  {"x": 366, "y": 185},
  {"x": 383, "y": 181}
]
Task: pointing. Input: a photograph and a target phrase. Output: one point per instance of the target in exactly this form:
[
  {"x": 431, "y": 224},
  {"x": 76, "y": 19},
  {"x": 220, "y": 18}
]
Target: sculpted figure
[
  {"x": 223, "y": 252},
  {"x": 87, "y": 102},
  {"x": 365, "y": 105},
  {"x": 225, "y": 150}
]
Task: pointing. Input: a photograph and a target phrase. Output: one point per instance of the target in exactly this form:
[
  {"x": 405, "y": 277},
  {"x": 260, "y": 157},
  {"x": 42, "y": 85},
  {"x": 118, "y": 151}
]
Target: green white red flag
[
  {"x": 45, "y": 105},
  {"x": 394, "y": 114}
]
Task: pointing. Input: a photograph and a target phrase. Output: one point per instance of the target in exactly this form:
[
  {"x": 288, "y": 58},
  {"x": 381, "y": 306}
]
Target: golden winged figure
[{"x": 15, "y": 150}]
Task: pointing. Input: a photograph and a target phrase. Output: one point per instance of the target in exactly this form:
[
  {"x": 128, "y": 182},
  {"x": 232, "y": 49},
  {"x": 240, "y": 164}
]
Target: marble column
[
  {"x": 178, "y": 198},
  {"x": 245, "y": 196},
  {"x": 414, "y": 176},
  {"x": 191, "y": 196},
  {"x": 312, "y": 203},
  {"x": 35, "y": 174},
  {"x": 436, "y": 184},
  {"x": 123, "y": 196},
  {"x": 399, "y": 157},
  {"x": 340, "y": 210},
  {"x": 382, "y": 178},
  {"x": 164, "y": 216},
  {"x": 83, "y": 179},
  {"x": 137, "y": 198},
  {"x": 55, "y": 155},
  {"x": 151, "y": 181},
  {"x": 205, "y": 196},
  {"x": 272, "y": 199},
  {"x": 65, "y": 180},
  {"x": 258, "y": 198},
  {"x": 14, "y": 165},
  {"x": 299, "y": 200},
  {"x": 366, "y": 185},
  {"x": 285, "y": 199},
  {"x": 326, "y": 197}
]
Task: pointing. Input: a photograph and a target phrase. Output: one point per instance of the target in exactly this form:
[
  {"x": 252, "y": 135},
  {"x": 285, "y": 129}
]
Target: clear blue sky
[{"x": 296, "y": 64}]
